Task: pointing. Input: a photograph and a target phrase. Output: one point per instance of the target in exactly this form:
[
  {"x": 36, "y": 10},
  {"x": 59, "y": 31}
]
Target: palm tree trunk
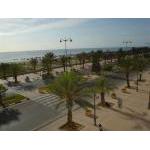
[
  {"x": 16, "y": 81},
  {"x": 140, "y": 77},
  {"x": 137, "y": 83},
  {"x": 127, "y": 78},
  {"x": 103, "y": 98},
  {"x": 64, "y": 67},
  {"x": 1, "y": 102},
  {"x": 94, "y": 110},
  {"x": 69, "y": 116}
]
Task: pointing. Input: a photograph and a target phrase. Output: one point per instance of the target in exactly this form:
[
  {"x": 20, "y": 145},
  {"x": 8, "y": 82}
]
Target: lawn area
[{"x": 13, "y": 99}]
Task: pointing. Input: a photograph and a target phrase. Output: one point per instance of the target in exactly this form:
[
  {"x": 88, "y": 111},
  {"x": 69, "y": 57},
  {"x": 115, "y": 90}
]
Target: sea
[{"x": 18, "y": 56}]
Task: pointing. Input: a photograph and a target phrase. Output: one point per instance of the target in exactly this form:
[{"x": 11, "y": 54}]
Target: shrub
[{"x": 13, "y": 99}]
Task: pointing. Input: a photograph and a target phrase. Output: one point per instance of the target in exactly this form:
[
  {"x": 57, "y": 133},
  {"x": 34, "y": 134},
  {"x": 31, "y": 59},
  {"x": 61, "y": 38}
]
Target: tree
[
  {"x": 69, "y": 87},
  {"x": 120, "y": 54},
  {"x": 96, "y": 67},
  {"x": 82, "y": 58},
  {"x": 15, "y": 70},
  {"x": 126, "y": 65},
  {"x": 70, "y": 61},
  {"x": 4, "y": 67},
  {"x": 47, "y": 62},
  {"x": 34, "y": 62},
  {"x": 63, "y": 61},
  {"x": 103, "y": 87},
  {"x": 139, "y": 65},
  {"x": 2, "y": 91},
  {"x": 94, "y": 90}
]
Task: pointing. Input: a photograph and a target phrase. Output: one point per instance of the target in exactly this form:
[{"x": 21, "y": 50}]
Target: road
[{"x": 31, "y": 113}]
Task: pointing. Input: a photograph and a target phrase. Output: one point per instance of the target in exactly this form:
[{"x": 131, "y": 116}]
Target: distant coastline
[{"x": 25, "y": 55}]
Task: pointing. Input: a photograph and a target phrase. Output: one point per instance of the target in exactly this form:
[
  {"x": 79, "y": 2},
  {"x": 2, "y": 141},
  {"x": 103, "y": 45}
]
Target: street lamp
[
  {"x": 126, "y": 43},
  {"x": 65, "y": 40}
]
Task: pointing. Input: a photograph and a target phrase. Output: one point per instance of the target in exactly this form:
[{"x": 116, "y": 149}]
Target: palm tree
[
  {"x": 69, "y": 87},
  {"x": 96, "y": 67},
  {"x": 126, "y": 65},
  {"x": 15, "y": 70},
  {"x": 103, "y": 87},
  {"x": 139, "y": 65},
  {"x": 69, "y": 61},
  {"x": 47, "y": 61},
  {"x": 63, "y": 61},
  {"x": 4, "y": 67},
  {"x": 2, "y": 91},
  {"x": 82, "y": 58},
  {"x": 34, "y": 62},
  {"x": 94, "y": 90},
  {"x": 120, "y": 54}
]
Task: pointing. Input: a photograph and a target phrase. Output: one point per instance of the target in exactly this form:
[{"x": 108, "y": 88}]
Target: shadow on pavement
[{"x": 8, "y": 115}]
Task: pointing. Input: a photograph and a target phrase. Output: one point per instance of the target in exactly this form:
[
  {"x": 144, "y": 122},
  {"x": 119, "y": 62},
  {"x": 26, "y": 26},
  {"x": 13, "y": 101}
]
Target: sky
[{"x": 45, "y": 33}]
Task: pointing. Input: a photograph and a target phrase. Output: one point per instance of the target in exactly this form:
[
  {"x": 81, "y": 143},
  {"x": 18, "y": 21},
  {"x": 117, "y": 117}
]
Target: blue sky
[{"x": 36, "y": 34}]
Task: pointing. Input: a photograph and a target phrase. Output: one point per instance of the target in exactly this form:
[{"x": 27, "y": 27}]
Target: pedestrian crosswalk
[
  {"x": 51, "y": 101},
  {"x": 47, "y": 100}
]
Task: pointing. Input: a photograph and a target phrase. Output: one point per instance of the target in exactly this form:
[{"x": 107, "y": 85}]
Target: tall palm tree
[
  {"x": 96, "y": 67},
  {"x": 4, "y": 68},
  {"x": 82, "y": 58},
  {"x": 47, "y": 62},
  {"x": 34, "y": 62},
  {"x": 120, "y": 54},
  {"x": 16, "y": 69},
  {"x": 69, "y": 87},
  {"x": 126, "y": 65},
  {"x": 63, "y": 61},
  {"x": 102, "y": 85},
  {"x": 93, "y": 90}
]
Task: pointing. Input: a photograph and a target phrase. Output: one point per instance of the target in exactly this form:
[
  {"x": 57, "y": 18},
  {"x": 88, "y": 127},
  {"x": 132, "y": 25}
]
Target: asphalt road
[{"x": 27, "y": 116}]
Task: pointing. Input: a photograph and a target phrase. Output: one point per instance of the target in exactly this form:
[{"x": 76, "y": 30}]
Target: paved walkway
[{"x": 133, "y": 116}]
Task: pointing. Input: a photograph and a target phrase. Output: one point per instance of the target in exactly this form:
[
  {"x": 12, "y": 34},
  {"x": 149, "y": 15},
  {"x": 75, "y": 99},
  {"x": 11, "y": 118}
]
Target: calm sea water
[{"x": 24, "y": 55}]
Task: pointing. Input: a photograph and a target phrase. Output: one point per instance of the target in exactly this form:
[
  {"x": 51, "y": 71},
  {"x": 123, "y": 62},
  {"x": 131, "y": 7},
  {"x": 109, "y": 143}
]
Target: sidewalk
[{"x": 133, "y": 116}]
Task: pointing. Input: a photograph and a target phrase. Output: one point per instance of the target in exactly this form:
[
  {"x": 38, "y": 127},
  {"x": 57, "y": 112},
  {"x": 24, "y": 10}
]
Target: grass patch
[
  {"x": 44, "y": 90},
  {"x": 13, "y": 99}
]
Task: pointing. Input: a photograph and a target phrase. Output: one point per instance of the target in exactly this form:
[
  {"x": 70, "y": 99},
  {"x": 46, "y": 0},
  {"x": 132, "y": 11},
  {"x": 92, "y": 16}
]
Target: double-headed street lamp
[
  {"x": 65, "y": 40},
  {"x": 126, "y": 43}
]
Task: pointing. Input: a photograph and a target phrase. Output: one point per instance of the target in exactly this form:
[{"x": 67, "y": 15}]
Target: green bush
[{"x": 13, "y": 99}]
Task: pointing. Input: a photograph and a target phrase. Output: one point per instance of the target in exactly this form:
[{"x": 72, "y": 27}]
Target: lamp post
[
  {"x": 65, "y": 40},
  {"x": 126, "y": 43}
]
